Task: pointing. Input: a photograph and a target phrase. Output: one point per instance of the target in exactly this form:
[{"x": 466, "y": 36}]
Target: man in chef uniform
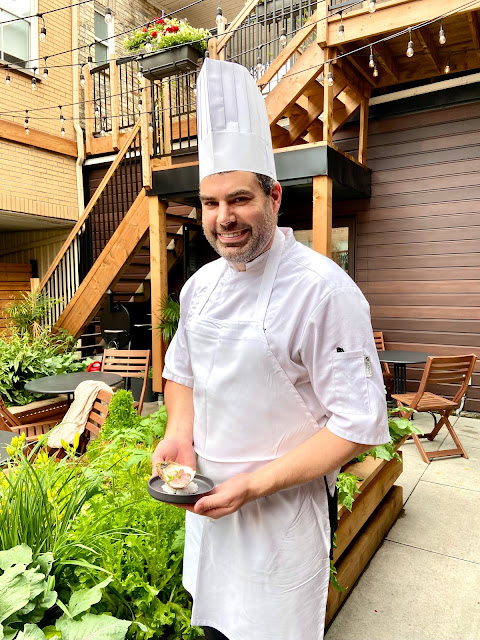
[{"x": 273, "y": 383}]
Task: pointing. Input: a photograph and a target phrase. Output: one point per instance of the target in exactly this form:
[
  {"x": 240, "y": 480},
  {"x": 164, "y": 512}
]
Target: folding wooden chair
[
  {"x": 96, "y": 418},
  {"x": 129, "y": 364},
  {"x": 440, "y": 370},
  {"x": 387, "y": 374},
  {"x": 32, "y": 422}
]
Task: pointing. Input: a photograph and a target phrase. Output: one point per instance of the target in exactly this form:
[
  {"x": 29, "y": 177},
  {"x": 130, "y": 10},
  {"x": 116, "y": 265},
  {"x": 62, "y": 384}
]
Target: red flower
[
  {"x": 160, "y": 21},
  {"x": 172, "y": 29},
  {"x": 154, "y": 34},
  {"x": 144, "y": 29}
]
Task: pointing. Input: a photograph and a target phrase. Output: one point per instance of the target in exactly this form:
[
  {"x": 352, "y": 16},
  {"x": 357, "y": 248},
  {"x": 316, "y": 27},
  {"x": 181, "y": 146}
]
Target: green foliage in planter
[
  {"x": 165, "y": 33},
  {"x": 30, "y": 309},
  {"x": 170, "y": 317},
  {"x": 25, "y": 356}
]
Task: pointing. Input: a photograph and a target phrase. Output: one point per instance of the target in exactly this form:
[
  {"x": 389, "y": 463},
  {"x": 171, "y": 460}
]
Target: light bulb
[
  {"x": 34, "y": 83},
  {"x": 283, "y": 38},
  {"x": 108, "y": 15},
  {"x": 371, "y": 61},
  {"x": 7, "y": 79},
  {"x": 43, "y": 34},
  {"x": 150, "y": 127},
  {"x": 375, "y": 71},
  {"x": 97, "y": 110},
  {"x": 45, "y": 73},
  {"x": 90, "y": 62},
  {"x": 82, "y": 80},
  {"x": 148, "y": 45},
  {"x": 330, "y": 79},
  {"x": 139, "y": 106},
  {"x": 372, "y": 6},
  {"x": 140, "y": 74},
  {"x": 62, "y": 132},
  {"x": 26, "y": 123},
  {"x": 410, "y": 51},
  {"x": 219, "y": 17},
  {"x": 441, "y": 36},
  {"x": 27, "y": 130},
  {"x": 259, "y": 65},
  {"x": 102, "y": 131},
  {"x": 341, "y": 31},
  {"x": 447, "y": 67}
]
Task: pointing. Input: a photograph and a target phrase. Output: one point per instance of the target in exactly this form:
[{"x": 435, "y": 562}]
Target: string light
[
  {"x": 375, "y": 70},
  {"x": 62, "y": 123},
  {"x": 103, "y": 131},
  {"x": 150, "y": 126},
  {"x": 283, "y": 38},
  {"x": 27, "y": 130},
  {"x": 371, "y": 60},
  {"x": 7, "y": 78},
  {"x": 330, "y": 79},
  {"x": 372, "y": 5},
  {"x": 139, "y": 105},
  {"x": 410, "y": 51},
  {"x": 148, "y": 45},
  {"x": 139, "y": 73},
  {"x": 34, "y": 79},
  {"x": 82, "y": 77},
  {"x": 96, "y": 110},
  {"x": 341, "y": 28},
  {"x": 441, "y": 35},
  {"x": 45, "y": 70},
  {"x": 108, "y": 14},
  {"x": 447, "y": 66},
  {"x": 259, "y": 65},
  {"x": 89, "y": 58},
  {"x": 43, "y": 30},
  {"x": 219, "y": 17}
]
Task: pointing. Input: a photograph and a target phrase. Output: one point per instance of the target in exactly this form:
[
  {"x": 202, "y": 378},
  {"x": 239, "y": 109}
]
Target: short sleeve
[{"x": 338, "y": 350}]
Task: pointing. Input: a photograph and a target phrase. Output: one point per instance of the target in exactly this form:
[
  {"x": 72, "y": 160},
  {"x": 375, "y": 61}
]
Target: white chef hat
[{"x": 232, "y": 125}]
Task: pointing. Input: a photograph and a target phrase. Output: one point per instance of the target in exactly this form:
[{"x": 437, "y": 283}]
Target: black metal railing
[
  {"x": 129, "y": 91},
  {"x": 96, "y": 229},
  {"x": 102, "y": 99}
]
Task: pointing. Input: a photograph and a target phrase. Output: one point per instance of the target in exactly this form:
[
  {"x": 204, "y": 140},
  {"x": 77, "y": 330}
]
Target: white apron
[{"x": 263, "y": 572}]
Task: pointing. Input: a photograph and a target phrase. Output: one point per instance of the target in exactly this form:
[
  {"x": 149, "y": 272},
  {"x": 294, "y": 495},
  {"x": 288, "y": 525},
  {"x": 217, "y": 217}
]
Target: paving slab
[
  {"x": 457, "y": 472},
  {"x": 440, "y": 518},
  {"x": 413, "y": 470},
  {"x": 410, "y": 594}
]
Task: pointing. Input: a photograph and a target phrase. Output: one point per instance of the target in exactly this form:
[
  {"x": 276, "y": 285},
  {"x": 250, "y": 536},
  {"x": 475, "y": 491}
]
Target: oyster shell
[{"x": 176, "y": 475}]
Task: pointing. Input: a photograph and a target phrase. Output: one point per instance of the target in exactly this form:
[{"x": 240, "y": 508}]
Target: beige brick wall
[{"x": 37, "y": 182}]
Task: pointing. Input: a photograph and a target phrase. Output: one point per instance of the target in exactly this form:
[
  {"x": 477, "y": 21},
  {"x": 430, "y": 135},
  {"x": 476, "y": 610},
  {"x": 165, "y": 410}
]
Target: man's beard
[{"x": 260, "y": 236}]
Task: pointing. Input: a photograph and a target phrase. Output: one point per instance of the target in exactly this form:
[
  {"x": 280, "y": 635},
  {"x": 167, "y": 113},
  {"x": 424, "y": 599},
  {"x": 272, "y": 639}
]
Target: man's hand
[
  {"x": 174, "y": 450},
  {"x": 225, "y": 499}
]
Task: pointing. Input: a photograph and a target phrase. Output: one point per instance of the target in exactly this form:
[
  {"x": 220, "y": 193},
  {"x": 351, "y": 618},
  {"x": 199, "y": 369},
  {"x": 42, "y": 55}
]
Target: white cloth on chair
[{"x": 76, "y": 417}]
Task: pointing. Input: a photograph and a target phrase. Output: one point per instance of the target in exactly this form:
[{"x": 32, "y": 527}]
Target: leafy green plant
[
  {"x": 165, "y": 33},
  {"x": 170, "y": 317},
  {"x": 31, "y": 309}
]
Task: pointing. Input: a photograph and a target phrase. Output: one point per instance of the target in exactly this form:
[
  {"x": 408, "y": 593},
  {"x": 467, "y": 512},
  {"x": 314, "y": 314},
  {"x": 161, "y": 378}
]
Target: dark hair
[{"x": 266, "y": 183}]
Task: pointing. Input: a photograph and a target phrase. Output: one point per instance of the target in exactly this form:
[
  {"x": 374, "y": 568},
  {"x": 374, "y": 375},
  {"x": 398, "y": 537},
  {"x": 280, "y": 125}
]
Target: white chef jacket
[{"x": 317, "y": 323}]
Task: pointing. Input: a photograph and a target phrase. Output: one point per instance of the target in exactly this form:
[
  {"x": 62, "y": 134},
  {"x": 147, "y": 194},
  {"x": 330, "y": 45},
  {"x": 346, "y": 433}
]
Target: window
[
  {"x": 102, "y": 31},
  {"x": 17, "y": 39}
]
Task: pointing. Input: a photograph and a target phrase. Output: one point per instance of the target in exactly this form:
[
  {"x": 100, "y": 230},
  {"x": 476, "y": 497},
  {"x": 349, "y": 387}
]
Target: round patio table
[
  {"x": 5, "y": 440},
  {"x": 400, "y": 359},
  {"x": 68, "y": 382}
]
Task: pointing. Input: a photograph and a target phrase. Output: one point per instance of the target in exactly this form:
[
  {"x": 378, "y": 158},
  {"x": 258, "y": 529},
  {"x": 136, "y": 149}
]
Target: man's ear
[{"x": 276, "y": 196}]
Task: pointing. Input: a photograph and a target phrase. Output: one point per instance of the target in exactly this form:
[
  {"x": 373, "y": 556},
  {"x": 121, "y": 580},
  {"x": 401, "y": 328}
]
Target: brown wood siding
[{"x": 418, "y": 237}]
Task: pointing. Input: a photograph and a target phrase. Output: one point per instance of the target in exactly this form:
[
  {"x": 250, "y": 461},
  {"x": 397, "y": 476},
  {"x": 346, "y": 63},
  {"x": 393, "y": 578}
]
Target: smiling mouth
[{"x": 232, "y": 235}]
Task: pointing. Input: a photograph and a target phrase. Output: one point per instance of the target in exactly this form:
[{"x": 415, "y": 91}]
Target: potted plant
[{"x": 168, "y": 46}]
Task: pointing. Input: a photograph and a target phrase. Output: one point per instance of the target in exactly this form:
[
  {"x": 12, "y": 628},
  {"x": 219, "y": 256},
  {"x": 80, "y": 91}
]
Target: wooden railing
[{"x": 111, "y": 201}]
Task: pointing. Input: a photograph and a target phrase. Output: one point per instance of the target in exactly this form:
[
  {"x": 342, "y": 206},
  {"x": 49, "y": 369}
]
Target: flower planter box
[
  {"x": 361, "y": 531},
  {"x": 170, "y": 62}
]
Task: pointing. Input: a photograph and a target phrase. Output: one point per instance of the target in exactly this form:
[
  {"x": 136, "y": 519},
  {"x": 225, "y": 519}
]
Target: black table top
[
  {"x": 5, "y": 440},
  {"x": 402, "y": 357},
  {"x": 68, "y": 382}
]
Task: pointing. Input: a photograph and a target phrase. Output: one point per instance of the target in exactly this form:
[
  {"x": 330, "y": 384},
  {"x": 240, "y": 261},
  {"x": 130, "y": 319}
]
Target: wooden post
[
  {"x": 322, "y": 215},
  {"x": 322, "y": 13},
  {"x": 34, "y": 285},
  {"x": 89, "y": 110},
  {"x": 327, "y": 99},
  {"x": 158, "y": 281},
  {"x": 115, "y": 101},
  {"x": 212, "y": 49},
  {"x": 363, "y": 135},
  {"x": 221, "y": 31},
  {"x": 146, "y": 135}
]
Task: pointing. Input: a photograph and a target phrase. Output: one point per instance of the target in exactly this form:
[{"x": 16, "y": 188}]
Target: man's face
[{"x": 238, "y": 219}]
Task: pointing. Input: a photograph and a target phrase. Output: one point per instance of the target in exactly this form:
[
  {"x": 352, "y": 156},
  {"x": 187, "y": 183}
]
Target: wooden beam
[
  {"x": 146, "y": 136},
  {"x": 392, "y": 15},
  {"x": 351, "y": 78},
  {"x": 322, "y": 13},
  {"x": 289, "y": 50},
  {"x": 159, "y": 281},
  {"x": 47, "y": 141},
  {"x": 247, "y": 9},
  {"x": 363, "y": 134},
  {"x": 430, "y": 46},
  {"x": 212, "y": 49},
  {"x": 327, "y": 101},
  {"x": 322, "y": 215},
  {"x": 474, "y": 25},
  {"x": 114, "y": 100},
  {"x": 286, "y": 92},
  {"x": 359, "y": 65}
]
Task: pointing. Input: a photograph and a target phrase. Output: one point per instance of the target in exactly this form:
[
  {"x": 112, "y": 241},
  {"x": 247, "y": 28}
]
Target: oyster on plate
[{"x": 176, "y": 476}]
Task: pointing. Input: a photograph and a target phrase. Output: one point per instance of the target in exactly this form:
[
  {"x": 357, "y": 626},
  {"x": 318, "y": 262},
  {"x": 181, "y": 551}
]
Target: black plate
[{"x": 155, "y": 490}]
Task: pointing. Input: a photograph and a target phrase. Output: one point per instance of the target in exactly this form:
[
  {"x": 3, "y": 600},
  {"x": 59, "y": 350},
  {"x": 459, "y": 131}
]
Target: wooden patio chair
[
  {"x": 454, "y": 370},
  {"x": 129, "y": 364},
  {"x": 96, "y": 418},
  {"x": 33, "y": 422},
  {"x": 387, "y": 374}
]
